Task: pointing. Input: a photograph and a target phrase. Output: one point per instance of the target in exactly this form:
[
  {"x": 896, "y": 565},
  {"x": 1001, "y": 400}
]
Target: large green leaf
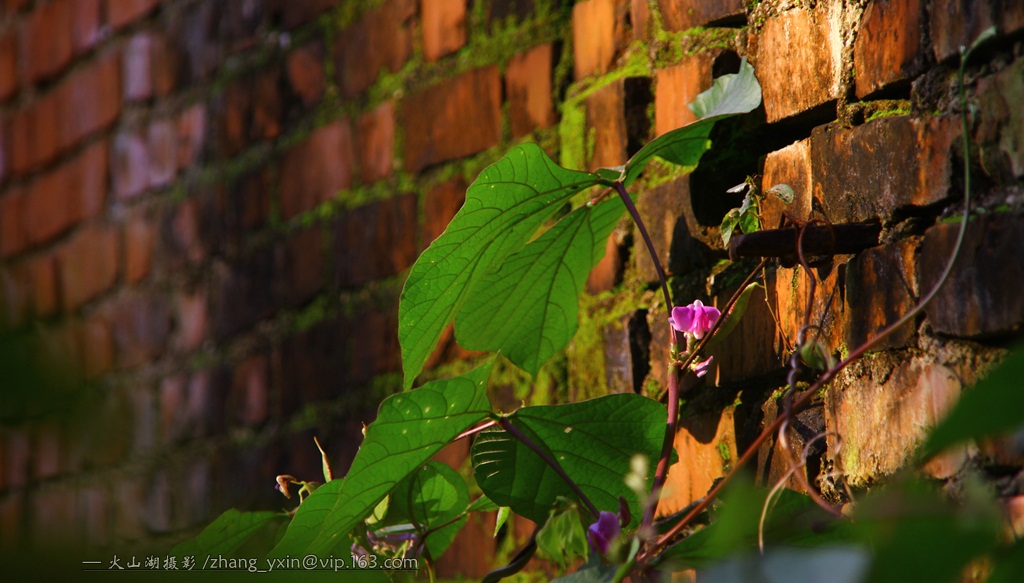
[
  {"x": 994, "y": 406},
  {"x": 429, "y": 498},
  {"x": 593, "y": 441},
  {"x": 504, "y": 208},
  {"x": 236, "y": 534},
  {"x": 527, "y": 309},
  {"x": 410, "y": 427},
  {"x": 730, "y": 95}
]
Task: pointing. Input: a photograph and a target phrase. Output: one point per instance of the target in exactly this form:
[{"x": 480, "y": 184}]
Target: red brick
[
  {"x": 685, "y": 14},
  {"x": 97, "y": 346},
  {"x": 14, "y": 296},
  {"x": 305, "y": 69},
  {"x": 884, "y": 165},
  {"x": 5, "y": 140},
  {"x": 42, "y": 271},
  {"x": 250, "y": 391},
  {"x": 139, "y": 237},
  {"x": 388, "y": 29},
  {"x": 444, "y": 27},
  {"x": 699, "y": 443},
  {"x": 456, "y": 118},
  {"x": 982, "y": 296},
  {"x": 253, "y": 110},
  {"x": 677, "y": 87},
  {"x": 123, "y": 12},
  {"x": 90, "y": 99},
  {"x": 594, "y": 36},
  {"x": 85, "y": 24},
  {"x": 881, "y": 286},
  {"x": 750, "y": 350},
  {"x": 382, "y": 226},
  {"x": 640, "y": 18},
  {"x": 791, "y": 166},
  {"x": 141, "y": 327},
  {"x": 788, "y": 289},
  {"x": 35, "y": 133},
  {"x": 443, "y": 201},
  {"x": 136, "y": 67},
  {"x": 888, "y": 48},
  {"x": 12, "y": 232},
  {"x": 71, "y": 193},
  {"x": 191, "y": 135},
  {"x": 46, "y": 40},
  {"x": 88, "y": 264},
  {"x": 192, "y": 320},
  {"x": 129, "y": 165},
  {"x": 796, "y": 64},
  {"x": 8, "y": 66},
  {"x": 528, "y": 87},
  {"x": 162, "y": 148},
  {"x": 608, "y": 272},
  {"x": 956, "y": 23},
  {"x": 377, "y": 142},
  {"x": 315, "y": 170},
  {"x": 166, "y": 65},
  {"x": 306, "y": 266},
  {"x": 606, "y": 119}
]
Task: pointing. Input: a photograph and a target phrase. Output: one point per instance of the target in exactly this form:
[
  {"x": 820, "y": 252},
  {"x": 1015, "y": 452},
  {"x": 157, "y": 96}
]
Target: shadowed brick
[
  {"x": 42, "y": 271},
  {"x": 388, "y": 29},
  {"x": 443, "y": 201},
  {"x": 162, "y": 151},
  {"x": 684, "y": 14},
  {"x": 12, "y": 234},
  {"x": 305, "y": 266},
  {"x": 305, "y": 72},
  {"x": 249, "y": 403},
  {"x": 1000, "y": 130},
  {"x": 888, "y": 48},
  {"x": 8, "y": 65},
  {"x": 881, "y": 286},
  {"x": 384, "y": 228},
  {"x": 443, "y": 26},
  {"x": 192, "y": 320},
  {"x": 96, "y": 342},
  {"x": 88, "y": 264},
  {"x": 315, "y": 170},
  {"x": 141, "y": 326},
  {"x": 455, "y": 118},
  {"x": 956, "y": 23},
  {"x": 191, "y": 126},
  {"x": 528, "y": 86}
]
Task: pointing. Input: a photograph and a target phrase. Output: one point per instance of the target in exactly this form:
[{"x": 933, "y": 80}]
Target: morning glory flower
[
  {"x": 695, "y": 319},
  {"x": 603, "y": 532}
]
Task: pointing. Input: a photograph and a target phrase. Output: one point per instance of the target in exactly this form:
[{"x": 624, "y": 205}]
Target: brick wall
[{"x": 207, "y": 210}]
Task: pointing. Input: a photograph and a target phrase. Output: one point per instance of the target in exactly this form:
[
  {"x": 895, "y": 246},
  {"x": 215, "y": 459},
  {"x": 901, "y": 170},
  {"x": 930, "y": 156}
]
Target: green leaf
[
  {"x": 236, "y": 534},
  {"x": 527, "y": 309},
  {"x": 593, "y": 441},
  {"x": 503, "y": 513},
  {"x": 992, "y": 407},
  {"x": 730, "y": 95},
  {"x": 562, "y": 538},
  {"x": 729, "y": 222},
  {"x": 410, "y": 427},
  {"x": 483, "y": 504},
  {"x": 504, "y": 208},
  {"x": 749, "y": 222},
  {"x": 784, "y": 192},
  {"x": 832, "y": 564},
  {"x": 428, "y": 498}
]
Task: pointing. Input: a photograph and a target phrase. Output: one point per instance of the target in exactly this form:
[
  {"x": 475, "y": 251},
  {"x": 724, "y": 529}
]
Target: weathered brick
[
  {"x": 443, "y": 201},
  {"x": 881, "y": 286},
  {"x": 315, "y": 364},
  {"x": 305, "y": 70},
  {"x": 444, "y": 27},
  {"x": 455, "y": 118},
  {"x": 12, "y": 232},
  {"x": 956, "y": 23},
  {"x": 191, "y": 135},
  {"x": 85, "y": 24},
  {"x": 640, "y": 19},
  {"x": 249, "y": 402},
  {"x": 8, "y": 65},
  {"x": 775, "y": 460},
  {"x": 123, "y": 12},
  {"x": 253, "y": 110},
  {"x": 162, "y": 152},
  {"x": 90, "y": 99},
  {"x": 884, "y": 165},
  {"x": 129, "y": 164},
  {"x": 388, "y": 28},
  {"x": 46, "y": 40},
  {"x": 750, "y": 350},
  {"x": 609, "y": 270},
  {"x": 982, "y": 296},
  {"x": 1000, "y": 130},
  {"x": 791, "y": 286},
  {"x": 798, "y": 65},
  {"x": 139, "y": 238},
  {"x": 240, "y": 293},
  {"x": 136, "y": 67},
  {"x": 42, "y": 271},
  {"x": 141, "y": 327},
  {"x": 528, "y": 87},
  {"x": 381, "y": 226},
  {"x": 702, "y": 442},
  {"x": 96, "y": 344},
  {"x": 376, "y": 130},
  {"x": 889, "y": 48},
  {"x": 685, "y": 14},
  {"x": 606, "y": 117},
  {"x": 594, "y": 36},
  {"x": 88, "y": 264},
  {"x": 71, "y": 193},
  {"x": 316, "y": 169},
  {"x": 664, "y": 210},
  {"x": 305, "y": 267},
  {"x": 192, "y": 320},
  {"x": 676, "y": 88},
  {"x": 882, "y": 413},
  {"x": 791, "y": 166}
]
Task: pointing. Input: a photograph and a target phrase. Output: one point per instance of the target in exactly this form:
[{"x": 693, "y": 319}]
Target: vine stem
[
  {"x": 515, "y": 432},
  {"x": 825, "y": 378}
]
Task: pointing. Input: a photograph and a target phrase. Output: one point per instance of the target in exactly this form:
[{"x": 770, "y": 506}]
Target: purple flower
[
  {"x": 701, "y": 368},
  {"x": 695, "y": 319},
  {"x": 603, "y": 532}
]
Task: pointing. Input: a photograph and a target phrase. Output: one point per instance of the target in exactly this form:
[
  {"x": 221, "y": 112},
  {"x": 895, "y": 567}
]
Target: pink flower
[
  {"x": 701, "y": 368},
  {"x": 603, "y": 532},
  {"x": 695, "y": 319}
]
